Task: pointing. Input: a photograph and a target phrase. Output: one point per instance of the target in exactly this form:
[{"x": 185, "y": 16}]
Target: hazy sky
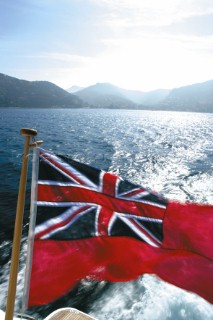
[{"x": 135, "y": 44}]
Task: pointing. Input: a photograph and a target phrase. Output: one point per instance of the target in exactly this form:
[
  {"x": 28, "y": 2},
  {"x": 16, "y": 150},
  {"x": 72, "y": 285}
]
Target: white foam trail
[
  {"x": 20, "y": 280},
  {"x": 149, "y": 298}
]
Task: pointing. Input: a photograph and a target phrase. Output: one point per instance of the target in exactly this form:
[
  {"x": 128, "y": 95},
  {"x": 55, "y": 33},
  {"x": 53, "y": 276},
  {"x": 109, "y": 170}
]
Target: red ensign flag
[{"x": 93, "y": 224}]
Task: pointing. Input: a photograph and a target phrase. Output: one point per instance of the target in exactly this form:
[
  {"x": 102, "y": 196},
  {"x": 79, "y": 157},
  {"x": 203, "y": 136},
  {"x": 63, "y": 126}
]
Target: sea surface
[{"x": 169, "y": 152}]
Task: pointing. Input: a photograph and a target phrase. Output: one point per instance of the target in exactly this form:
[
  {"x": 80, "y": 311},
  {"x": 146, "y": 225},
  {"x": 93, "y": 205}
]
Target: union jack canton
[{"x": 76, "y": 201}]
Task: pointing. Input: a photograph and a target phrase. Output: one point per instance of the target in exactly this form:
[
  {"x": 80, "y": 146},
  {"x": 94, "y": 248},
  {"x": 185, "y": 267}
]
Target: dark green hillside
[
  {"x": 197, "y": 98},
  {"x": 35, "y": 94}
]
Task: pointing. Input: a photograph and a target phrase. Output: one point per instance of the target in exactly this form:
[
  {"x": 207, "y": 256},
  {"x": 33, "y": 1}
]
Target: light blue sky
[{"x": 135, "y": 44}]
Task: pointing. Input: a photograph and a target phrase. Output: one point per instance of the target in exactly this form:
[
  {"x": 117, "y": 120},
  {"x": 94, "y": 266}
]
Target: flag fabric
[{"x": 94, "y": 225}]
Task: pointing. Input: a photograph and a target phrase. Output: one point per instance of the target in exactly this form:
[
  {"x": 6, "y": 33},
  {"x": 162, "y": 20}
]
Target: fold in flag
[{"x": 92, "y": 224}]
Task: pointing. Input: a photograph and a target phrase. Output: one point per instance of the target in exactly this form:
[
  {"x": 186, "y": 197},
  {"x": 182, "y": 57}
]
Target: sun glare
[{"x": 148, "y": 64}]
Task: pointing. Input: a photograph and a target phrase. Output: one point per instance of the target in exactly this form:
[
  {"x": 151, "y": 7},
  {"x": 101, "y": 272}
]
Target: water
[{"x": 168, "y": 152}]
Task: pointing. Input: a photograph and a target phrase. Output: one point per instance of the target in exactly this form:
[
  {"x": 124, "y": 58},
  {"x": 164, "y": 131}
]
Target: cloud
[
  {"x": 58, "y": 58},
  {"x": 200, "y": 25},
  {"x": 137, "y": 13}
]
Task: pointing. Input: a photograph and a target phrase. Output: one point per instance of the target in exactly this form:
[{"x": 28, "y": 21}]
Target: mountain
[
  {"x": 154, "y": 97},
  {"x": 35, "y": 94},
  {"x": 193, "y": 98},
  {"x": 105, "y": 95},
  {"x": 196, "y": 98},
  {"x": 74, "y": 89},
  {"x": 43, "y": 94}
]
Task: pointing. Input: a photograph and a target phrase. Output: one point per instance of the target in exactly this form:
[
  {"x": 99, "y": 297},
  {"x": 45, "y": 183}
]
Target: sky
[{"x": 134, "y": 44}]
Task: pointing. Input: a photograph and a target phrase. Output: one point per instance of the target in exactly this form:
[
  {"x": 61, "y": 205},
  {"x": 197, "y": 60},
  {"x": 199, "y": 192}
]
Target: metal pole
[{"x": 28, "y": 133}]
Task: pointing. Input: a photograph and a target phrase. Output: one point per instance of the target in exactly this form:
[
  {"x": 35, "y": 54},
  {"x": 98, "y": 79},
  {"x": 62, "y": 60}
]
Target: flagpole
[{"x": 28, "y": 133}]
